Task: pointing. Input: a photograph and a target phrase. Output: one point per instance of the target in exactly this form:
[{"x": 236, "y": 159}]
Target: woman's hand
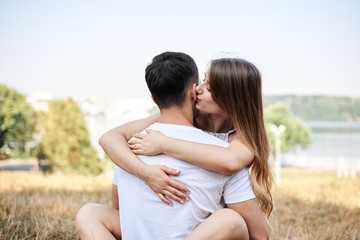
[
  {"x": 148, "y": 144},
  {"x": 156, "y": 177}
]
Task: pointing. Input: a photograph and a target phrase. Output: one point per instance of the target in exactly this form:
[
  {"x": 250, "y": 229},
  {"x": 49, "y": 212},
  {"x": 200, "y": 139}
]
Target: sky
[{"x": 101, "y": 48}]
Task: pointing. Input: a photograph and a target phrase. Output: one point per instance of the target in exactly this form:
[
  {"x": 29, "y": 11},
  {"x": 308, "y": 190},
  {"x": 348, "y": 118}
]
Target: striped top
[{"x": 222, "y": 136}]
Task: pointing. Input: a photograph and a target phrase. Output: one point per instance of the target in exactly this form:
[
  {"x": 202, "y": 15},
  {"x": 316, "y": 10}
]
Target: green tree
[
  {"x": 296, "y": 134},
  {"x": 65, "y": 139},
  {"x": 319, "y": 108},
  {"x": 17, "y": 122}
]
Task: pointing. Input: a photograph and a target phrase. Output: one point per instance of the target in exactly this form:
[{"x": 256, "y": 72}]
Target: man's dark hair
[{"x": 168, "y": 77}]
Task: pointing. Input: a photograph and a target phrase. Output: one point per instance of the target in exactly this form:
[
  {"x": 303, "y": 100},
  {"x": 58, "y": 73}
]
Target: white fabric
[
  {"x": 144, "y": 216},
  {"x": 115, "y": 177},
  {"x": 222, "y": 136}
]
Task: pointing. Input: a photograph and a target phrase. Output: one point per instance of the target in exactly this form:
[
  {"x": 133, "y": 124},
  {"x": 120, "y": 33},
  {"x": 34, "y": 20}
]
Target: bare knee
[
  {"x": 232, "y": 224},
  {"x": 224, "y": 224},
  {"x": 85, "y": 216},
  {"x": 85, "y": 212},
  {"x": 96, "y": 221},
  {"x": 232, "y": 217}
]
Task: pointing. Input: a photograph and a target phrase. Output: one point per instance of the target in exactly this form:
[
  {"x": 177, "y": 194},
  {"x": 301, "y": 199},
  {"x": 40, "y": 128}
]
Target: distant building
[
  {"x": 39, "y": 100},
  {"x": 102, "y": 114}
]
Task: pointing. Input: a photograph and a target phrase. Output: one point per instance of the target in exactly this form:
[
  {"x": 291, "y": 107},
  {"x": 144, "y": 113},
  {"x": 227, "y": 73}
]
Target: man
[{"x": 171, "y": 78}]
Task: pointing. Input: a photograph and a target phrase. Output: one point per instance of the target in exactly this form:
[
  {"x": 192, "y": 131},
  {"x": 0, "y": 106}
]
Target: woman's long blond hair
[{"x": 236, "y": 87}]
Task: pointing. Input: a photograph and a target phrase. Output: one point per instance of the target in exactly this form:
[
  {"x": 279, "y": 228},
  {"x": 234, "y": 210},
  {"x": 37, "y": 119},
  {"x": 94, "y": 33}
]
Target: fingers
[
  {"x": 135, "y": 146},
  {"x": 174, "y": 183},
  {"x": 164, "y": 199},
  {"x": 176, "y": 191},
  {"x": 164, "y": 186},
  {"x": 173, "y": 196},
  {"x": 137, "y": 151},
  {"x": 139, "y": 135},
  {"x": 134, "y": 141},
  {"x": 180, "y": 188},
  {"x": 178, "y": 195},
  {"x": 170, "y": 171},
  {"x": 149, "y": 130}
]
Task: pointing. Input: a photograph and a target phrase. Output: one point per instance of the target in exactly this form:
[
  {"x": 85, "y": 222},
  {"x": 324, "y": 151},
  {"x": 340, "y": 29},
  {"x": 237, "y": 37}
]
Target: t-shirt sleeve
[
  {"x": 238, "y": 188},
  {"x": 115, "y": 175}
]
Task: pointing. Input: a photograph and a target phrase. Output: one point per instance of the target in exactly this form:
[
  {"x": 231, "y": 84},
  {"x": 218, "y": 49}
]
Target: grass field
[{"x": 309, "y": 205}]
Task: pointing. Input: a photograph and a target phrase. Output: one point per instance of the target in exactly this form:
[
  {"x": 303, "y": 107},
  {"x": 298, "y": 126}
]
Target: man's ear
[{"x": 193, "y": 91}]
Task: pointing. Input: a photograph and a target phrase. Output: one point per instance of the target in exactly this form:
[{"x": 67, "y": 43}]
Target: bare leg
[
  {"x": 96, "y": 221},
  {"x": 224, "y": 224}
]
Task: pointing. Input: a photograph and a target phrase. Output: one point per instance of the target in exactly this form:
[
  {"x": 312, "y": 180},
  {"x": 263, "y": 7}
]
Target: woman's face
[{"x": 204, "y": 100}]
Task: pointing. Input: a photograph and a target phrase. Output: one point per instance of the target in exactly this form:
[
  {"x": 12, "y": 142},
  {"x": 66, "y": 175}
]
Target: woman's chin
[{"x": 197, "y": 106}]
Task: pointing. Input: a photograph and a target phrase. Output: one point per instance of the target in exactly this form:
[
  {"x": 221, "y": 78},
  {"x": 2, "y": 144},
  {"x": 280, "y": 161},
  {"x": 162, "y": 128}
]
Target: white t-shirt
[{"x": 144, "y": 216}]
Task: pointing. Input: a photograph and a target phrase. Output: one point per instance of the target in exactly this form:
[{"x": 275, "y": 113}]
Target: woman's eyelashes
[{"x": 207, "y": 86}]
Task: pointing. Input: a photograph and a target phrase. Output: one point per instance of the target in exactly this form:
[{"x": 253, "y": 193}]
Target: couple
[{"x": 214, "y": 173}]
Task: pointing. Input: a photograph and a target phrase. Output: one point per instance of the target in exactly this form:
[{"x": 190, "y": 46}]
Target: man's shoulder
[{"x": 188, "y": 133}]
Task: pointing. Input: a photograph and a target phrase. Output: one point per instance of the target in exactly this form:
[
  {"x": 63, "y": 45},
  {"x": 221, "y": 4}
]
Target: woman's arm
[
  {"x": 215, "y": 158},
  {"x": 114, "y": 143}
]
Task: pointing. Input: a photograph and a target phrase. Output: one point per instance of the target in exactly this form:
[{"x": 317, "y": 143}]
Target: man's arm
[{"x": 254, "y": 218}]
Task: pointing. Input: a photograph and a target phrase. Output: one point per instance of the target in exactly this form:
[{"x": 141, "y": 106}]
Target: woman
[{"x": 229, "y": 98}]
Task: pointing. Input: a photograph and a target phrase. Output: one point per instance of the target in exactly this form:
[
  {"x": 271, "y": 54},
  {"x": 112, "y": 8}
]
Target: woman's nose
[{"x": 199, "y": 89}]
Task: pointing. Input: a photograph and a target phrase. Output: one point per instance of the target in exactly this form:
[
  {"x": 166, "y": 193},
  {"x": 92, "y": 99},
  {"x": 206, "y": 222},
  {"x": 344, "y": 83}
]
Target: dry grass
[
  {"x": 36, "y": 206},
  {"x": 314, "y": 205},
  {"x": 309, "y": 205}
]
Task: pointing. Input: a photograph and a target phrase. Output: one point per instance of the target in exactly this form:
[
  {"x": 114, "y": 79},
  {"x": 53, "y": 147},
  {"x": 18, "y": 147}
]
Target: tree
[
  {"x": 17, "y": 122},
  {"x": 296, "y": 134},
  {"x": 319, "y": 108},
  {"x": 65, "y": 139}
]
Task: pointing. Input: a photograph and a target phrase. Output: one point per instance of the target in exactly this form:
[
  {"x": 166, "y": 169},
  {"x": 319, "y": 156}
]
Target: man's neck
[{"x": 177, "y": 116}]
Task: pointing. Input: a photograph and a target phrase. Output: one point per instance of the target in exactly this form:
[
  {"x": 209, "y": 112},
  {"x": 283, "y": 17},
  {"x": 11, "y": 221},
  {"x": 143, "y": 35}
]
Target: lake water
[{"x": 335, "y": 145}]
